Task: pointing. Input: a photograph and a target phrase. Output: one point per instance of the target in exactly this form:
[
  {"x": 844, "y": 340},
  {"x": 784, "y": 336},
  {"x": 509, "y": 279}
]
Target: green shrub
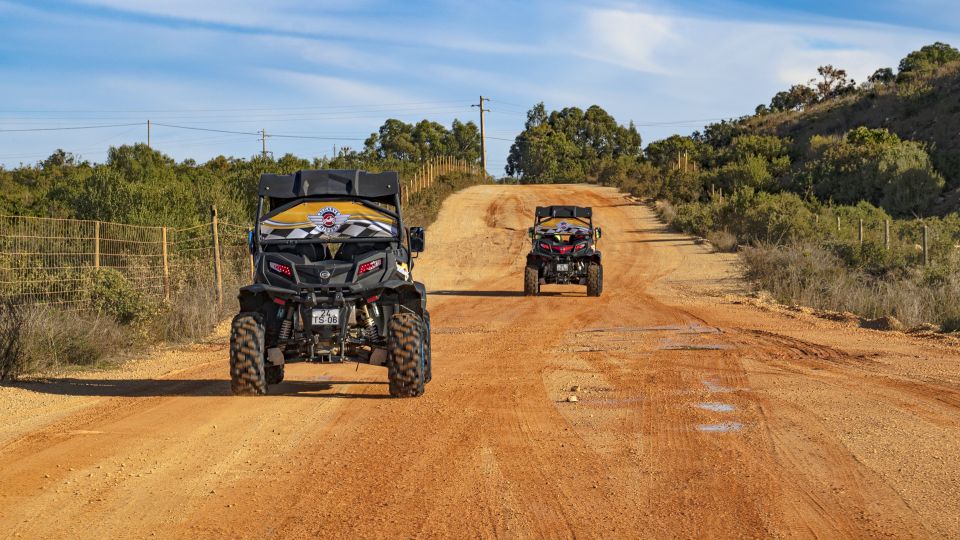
[
  {"x": 873, "y": 165},
  {"x": 111, "y": 294}
]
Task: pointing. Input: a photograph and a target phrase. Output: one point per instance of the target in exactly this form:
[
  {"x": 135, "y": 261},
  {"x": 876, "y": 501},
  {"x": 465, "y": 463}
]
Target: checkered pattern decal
[
  {"x": 563, "y": 226},
  {"x": 346, "y": 220}
]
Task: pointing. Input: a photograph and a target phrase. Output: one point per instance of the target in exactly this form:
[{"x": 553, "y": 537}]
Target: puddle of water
[
  {"x": 693, "y": 328},
  {"x": 716, "y": 407},
  {"x": 715, "y": 387},
  {"x": 723, "y": 427},
  {"x": 670, "y": 345},
  {"x": 697, "y": 329}
]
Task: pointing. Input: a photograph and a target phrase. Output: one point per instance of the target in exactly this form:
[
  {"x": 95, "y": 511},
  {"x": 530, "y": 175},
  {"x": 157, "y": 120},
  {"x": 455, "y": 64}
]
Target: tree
[
  {"x": 926, "y": 60},
  {"x": 570, "y": 145},
  {"x": 833, "y": 82},
  {"x": 668, "y": 153},
  {"x": 882, "y": 76},
  {"x": 798, "y": 97}
]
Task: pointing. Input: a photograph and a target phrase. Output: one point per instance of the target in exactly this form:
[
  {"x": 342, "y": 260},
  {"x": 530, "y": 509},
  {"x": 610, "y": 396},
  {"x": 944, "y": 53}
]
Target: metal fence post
[
  {"x": 218, "y": 279},
  {"x": 166, "y": 266}
]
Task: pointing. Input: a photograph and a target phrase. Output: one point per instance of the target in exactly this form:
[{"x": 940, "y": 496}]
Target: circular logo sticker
[
  {"x": 328, "y": 220},
  {"x": 324, "y": 274}
]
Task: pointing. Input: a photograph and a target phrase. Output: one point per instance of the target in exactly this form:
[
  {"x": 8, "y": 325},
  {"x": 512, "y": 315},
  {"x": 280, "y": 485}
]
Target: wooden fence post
[
  {"x": 926, "y": 247},
  {"x": 860, "y": 232},
  {"x": 217, "y": 278},
  {"x": 96, "y": 244},
  {"x": 166, "y": 265},
  {"x": 838, "y": 225},
  {"x": 886, "y": 234}
]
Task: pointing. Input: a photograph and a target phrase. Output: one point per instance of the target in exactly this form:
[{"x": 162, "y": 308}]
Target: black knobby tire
[
  {"x": 428, "y": 360},
  {"x": 594, "y": 279},
  {"x": 531, "y": 281},
  {"x": 275, "y": 374},
  {"x": 406, "y": 361},
  {"x": 247, "y": 372}
]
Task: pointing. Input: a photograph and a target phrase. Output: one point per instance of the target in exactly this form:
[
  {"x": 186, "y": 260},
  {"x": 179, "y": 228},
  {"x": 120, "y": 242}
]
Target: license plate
[
  {"x": 563, "y": 267},
  {"x": 326, "y": 317}
]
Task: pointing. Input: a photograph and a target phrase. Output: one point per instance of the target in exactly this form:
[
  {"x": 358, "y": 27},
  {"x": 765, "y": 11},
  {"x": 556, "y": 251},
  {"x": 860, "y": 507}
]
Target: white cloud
[
  {"x": 628, "y": 39},
  {"x": 335, "y": 90}
]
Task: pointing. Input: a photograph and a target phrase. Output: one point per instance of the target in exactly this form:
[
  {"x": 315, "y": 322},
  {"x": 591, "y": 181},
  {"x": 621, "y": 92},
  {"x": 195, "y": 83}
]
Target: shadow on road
[
  {"x": 184, "y": 388},
  {"x": 498, "y": 293}
]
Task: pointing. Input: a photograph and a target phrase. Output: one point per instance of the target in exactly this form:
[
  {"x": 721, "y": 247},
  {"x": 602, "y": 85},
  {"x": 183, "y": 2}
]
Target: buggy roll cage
[
  {"x": 331, "y": 185},
  {"x": 544, "y": 213}
]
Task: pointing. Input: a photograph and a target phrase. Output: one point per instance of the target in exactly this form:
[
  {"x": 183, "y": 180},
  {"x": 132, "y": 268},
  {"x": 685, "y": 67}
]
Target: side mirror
[
  {"x": 530, "y": 233},
  {"x": 599, "y": 232},
  {"x": 417, "y": 241}
]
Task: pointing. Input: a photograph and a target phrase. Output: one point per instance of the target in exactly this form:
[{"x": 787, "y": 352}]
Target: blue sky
[{"x": 337, "y": 68}]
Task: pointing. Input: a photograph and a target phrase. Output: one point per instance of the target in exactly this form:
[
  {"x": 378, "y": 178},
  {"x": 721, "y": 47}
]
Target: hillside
[{"x": 925, "y": 110}]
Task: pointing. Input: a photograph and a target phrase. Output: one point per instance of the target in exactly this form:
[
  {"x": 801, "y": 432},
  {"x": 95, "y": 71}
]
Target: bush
[
  {"x": 694, "y": 218},
  {"x": 113, "y": 295},
  {"x": 36, "y": 338},
  {"x": 874, "y": 165},
  {"x": 722, "y": 241}
]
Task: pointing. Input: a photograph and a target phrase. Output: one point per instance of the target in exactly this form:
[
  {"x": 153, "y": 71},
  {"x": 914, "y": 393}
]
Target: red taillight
[
  {"x": 580, "y": 247},
  {"x": 545, "y": 246},
  {"x": 281, "y": 269},
  {"x": 369, "y": 266}
]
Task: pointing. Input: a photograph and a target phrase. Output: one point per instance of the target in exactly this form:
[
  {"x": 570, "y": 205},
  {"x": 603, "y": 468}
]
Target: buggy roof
[
  {"x": 565, "y": 212},
  {"x": 337, "y": 182}
]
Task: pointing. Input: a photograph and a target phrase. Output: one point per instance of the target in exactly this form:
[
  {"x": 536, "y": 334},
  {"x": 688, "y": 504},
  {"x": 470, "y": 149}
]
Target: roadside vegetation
[
  {"x": 142, "y": 186},
  {"x": 791, "y": 186}
]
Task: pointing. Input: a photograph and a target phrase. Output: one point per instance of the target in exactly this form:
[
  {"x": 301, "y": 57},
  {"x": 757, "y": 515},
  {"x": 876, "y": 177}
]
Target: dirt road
[{"x": 696, "y": 415}]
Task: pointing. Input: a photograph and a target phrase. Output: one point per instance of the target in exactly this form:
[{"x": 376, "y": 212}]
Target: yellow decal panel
[{"x": 328, "y": 219}]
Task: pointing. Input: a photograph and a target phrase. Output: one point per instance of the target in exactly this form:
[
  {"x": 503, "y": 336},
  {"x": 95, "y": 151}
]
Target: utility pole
[
  {"x": 263, "y": 139},
  {"x": 483, "y": 142},
  {"x": 148, "y": 134}
]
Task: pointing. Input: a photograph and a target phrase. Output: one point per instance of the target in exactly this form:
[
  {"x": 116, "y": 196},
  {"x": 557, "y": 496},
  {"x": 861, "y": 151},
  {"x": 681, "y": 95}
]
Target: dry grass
[
  {"x": 37, "y": 338},
  {"x": 812, "y": 276},
  {"x": 722, "y": 241}
]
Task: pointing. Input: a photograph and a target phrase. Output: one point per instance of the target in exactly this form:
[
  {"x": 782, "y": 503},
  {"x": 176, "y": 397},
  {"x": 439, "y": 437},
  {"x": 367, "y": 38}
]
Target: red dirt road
[{"x": 697, "y": 415}]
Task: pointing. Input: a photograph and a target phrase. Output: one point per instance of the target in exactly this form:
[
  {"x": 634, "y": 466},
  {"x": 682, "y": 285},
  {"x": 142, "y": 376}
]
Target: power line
[
  {"x": 70, "y": 127},
  {"x": 328, "y": 107},
  {"x": 260, "y": 133}
]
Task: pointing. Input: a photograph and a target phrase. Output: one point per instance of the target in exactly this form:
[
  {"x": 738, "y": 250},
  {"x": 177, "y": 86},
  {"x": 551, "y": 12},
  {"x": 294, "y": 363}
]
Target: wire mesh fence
[
  {"x": 916, "y": 242},
  {"x": 58, "y": 262}
]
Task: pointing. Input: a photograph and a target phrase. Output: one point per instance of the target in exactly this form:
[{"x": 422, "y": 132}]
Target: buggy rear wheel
[
  {"x": 247, "y": 373},
  {"x": 594, "y": 279},
  {"x": 407, "y": 355},
  {"x": 531, "y": 281}
]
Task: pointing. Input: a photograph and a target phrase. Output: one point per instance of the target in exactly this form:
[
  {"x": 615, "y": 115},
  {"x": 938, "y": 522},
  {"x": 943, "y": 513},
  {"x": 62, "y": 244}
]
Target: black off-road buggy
[
  {"x": 332, "y": 282},
  {"x": 564, "y": 250}
]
